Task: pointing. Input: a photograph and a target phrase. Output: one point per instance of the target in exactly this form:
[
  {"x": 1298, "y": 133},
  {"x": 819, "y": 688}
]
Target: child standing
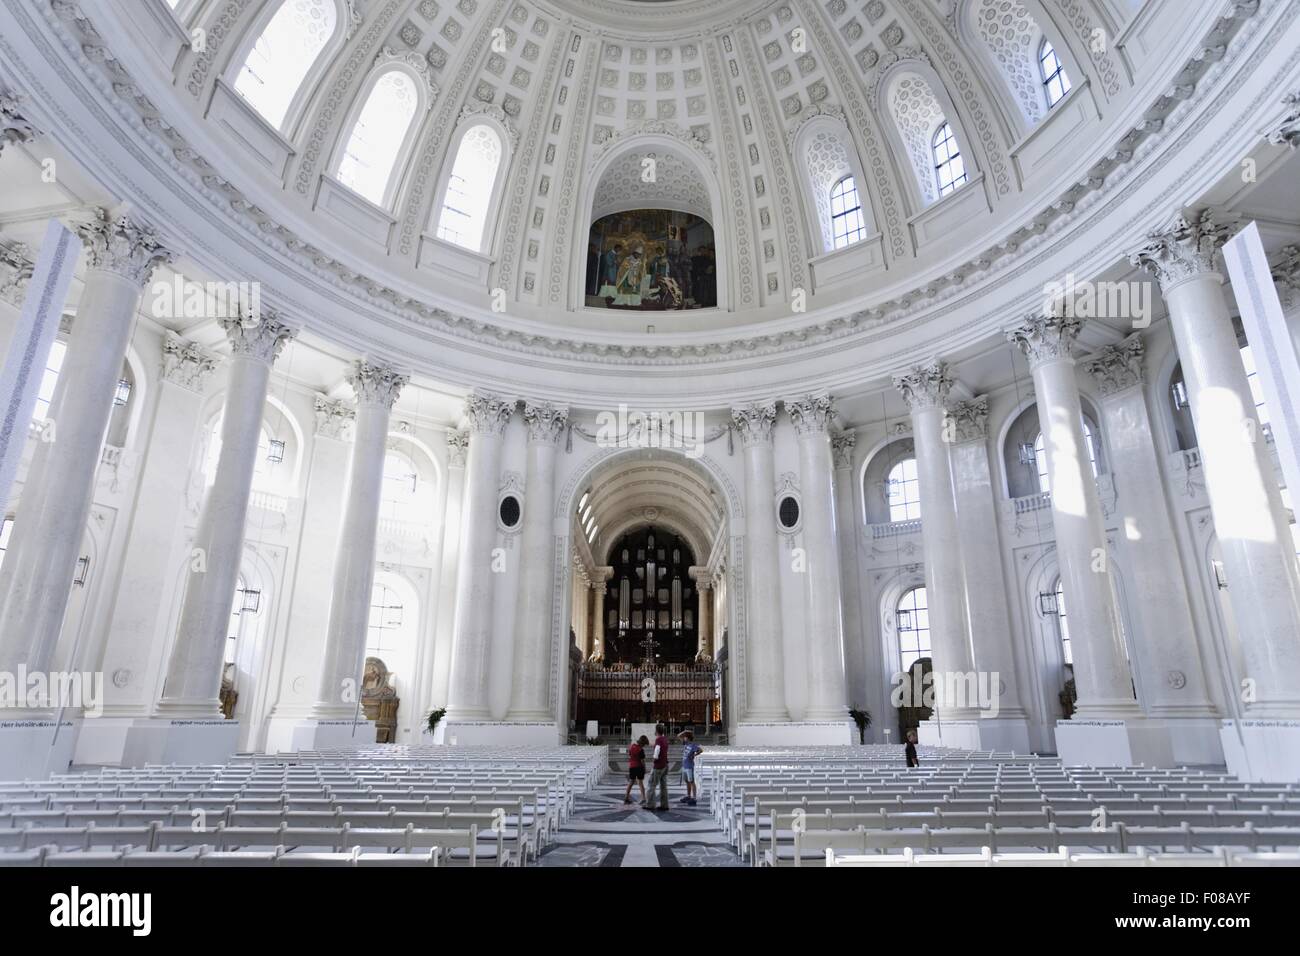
[{"x": 689, "y": 750}]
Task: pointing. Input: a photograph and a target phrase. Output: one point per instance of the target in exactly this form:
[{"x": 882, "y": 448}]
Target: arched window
[
  {"x": 1055, "y": 80},
  {"x": 390, "y": 633},
  {"x": 1067, "y": 654},
  {"x": 377, "y": 137},
  {"x": 847, "y": 225},
  {"x": 282, "y": 56},
  {"x": 949, "y": 169},
  {"x": 270, "y": 453},
  {"x": 50, "y": 378},
  {"x": 913, "y": 618},
  {"x": 468, "y": 199},
  {"x": 402, "y": 498},
  {"x": 1040, "y": 456},
  {"x": 902, "y": 489}
]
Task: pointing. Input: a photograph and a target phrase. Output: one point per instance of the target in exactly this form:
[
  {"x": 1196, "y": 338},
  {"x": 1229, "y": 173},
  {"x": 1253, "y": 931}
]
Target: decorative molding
[
  {"x": 457, "y": 447},
  {"x": 925, "y": 386},
  {"x": 122, "y": 246},
  {"x": 1117, "y": 368},
  {"x": 969, "y": 420},
  {"x": 1286, "y": 273},
  {"x": 842, "y": 444},
  {"x": 262, "y": 339},
  {"x": 810, "y": 113},
  {"x": 334, "y": 419},
  {"x": 186, "y": 364},
  {"x": 377, "y": 383},
  {"x": 16, "y": 257},
  {"x": 1287, "y": 132},
  {"x": 388, "y": 56},
  {"x": 14, "y": 126},
  {"x": 1182, "y": 251},
  {"x": 811, "y": 414},
  {"x": 545, "y": 422},
  {"x": 488, "y": 414},
  {"x": 755, "y": 422},
  {"x": 656, "y": 127},
  {"x": 475, "y": 108},
  {"x": 1045, "y": 338}
]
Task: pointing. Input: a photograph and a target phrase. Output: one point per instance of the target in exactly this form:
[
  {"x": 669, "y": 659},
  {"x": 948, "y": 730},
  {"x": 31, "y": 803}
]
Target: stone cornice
[
  {"x": 78, "y": 34},
  {"x": 1117, "y": 368}
]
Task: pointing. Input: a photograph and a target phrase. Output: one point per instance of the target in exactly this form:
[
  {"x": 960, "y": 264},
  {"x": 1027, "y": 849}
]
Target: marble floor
[{"x": 603, "y": 831}]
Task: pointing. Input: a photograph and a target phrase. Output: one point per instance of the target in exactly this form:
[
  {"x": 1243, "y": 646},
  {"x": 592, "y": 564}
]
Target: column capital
[
  {"x": 811, "y": 414},
  {"x": 702, "y": 577},
  {"x": 186, "y": 363},
  {"x": 925, "y": 386},
  {"x": 1045, "y": 338},
  {"x": 488, "y": 414},
  {"x": 14, "y": 126},
  {"x": 457, "y": 447},
  {"x": 262, "y": 339},
  {"x": 334, "y": 419},
  {"x": 545, "y": 422},
  {"x": 1117, "y": 367},
  {"x": 1184, "y": 250},
  {"x": 17, "y": 259},
  {"x": 122, "y": 246},
  {"x": 754, "y": 422},
  {"x": 377, "y": 383},
  {"x": 1287, "y": 275},
  {"x": 1287, "y": 132},
  {"x": 600, "y": 575},
  {"x": 842, "y": 444},
  {"x": 970, "y": 420}
]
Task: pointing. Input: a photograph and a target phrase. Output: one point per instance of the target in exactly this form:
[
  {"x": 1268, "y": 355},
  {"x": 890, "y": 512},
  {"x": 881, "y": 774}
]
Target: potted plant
[
  {"x": 863, "y": 719},
  {"x": 433, "y": 718}
]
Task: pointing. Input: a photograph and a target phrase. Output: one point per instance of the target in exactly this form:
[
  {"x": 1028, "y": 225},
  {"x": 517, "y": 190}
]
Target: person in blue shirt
[{"x": 689, "y": 751}]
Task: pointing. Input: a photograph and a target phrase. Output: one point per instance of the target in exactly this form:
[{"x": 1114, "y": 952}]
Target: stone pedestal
[
  {"x": 795, "y": 733},
  {"x": 1113, "y": 743},
  {"x": 327, "y": 734},
  {"x": 498, "y": 733},
  {"x": 29, "y": 749},
  {"x": 137, "y": 741},
  {"x": 1266, "y": 751}
]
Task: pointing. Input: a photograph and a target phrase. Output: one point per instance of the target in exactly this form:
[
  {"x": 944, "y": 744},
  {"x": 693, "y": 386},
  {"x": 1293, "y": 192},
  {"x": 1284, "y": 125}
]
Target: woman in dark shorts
[{"x": 636, "y": 767}]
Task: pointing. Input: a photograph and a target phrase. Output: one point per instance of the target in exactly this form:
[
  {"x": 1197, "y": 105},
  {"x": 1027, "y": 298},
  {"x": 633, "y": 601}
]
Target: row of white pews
[
  {"x": 782, "y": 812},
  {"x": 1220, "y": 857},
  {"x": 345, "y": 808}
]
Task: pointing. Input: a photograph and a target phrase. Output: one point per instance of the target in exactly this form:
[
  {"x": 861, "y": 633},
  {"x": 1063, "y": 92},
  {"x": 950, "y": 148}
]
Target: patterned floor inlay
[
  {"x": 583, "y": 853},
  {"x": 694, "y": 853}
]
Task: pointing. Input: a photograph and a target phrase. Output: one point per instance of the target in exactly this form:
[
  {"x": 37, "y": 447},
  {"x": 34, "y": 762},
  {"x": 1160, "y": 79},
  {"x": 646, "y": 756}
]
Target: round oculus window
[
  {"x": 788, "y": 512},
  {"x": 509, "y": 511}
]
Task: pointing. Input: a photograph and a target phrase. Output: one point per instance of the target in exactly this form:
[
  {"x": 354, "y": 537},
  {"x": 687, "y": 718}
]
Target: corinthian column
[
  {"x": 811, "y": 416},
  {"x": 487, "y": 416},
  {"x": 530, "y": 698},
  {"x": 194, "y": 669},
  {"x": 764, "y": 676},
  {"x": 925, "y": 389},
  {"x": 120, "y": 256},
  {"x": 1165, "y": 642},
  {"x": 704, "y": 614},
  {"x": 856, "y": 681},
  {"x": 1249, "y": 519},
  {"x": 599, "y": 586},
  {"x": 377, "y": 387}
]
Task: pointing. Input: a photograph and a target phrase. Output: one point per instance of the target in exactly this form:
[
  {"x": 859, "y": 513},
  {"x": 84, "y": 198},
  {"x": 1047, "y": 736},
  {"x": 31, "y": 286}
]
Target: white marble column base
[
  {"x": 1262, "y": 750},
  {"x": 136, "y": 741},
  {"x": 1195, "y": 740},
  {"x": 795, "y": 733},
  {"x": 497, "y": 733},
  {"x": 1114, "y": 743},
  {"x": 323, "y": 733},
  {"x": 30, "y": 751}
]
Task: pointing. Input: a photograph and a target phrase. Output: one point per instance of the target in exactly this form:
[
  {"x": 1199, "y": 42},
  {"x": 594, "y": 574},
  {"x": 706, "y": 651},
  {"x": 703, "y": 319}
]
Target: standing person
[
  {"x": 910, "y": 750},
  {"x": 689, "y": 751},
  {"x": 636, "y": 767},
  {"x": 659, "y": 774}
]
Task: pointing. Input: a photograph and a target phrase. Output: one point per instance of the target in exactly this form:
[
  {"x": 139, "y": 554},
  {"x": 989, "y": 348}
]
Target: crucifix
[{"x": 649, "y": 644}]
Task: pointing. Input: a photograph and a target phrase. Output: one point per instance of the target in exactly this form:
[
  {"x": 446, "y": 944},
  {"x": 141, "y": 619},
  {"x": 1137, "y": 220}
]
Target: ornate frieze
[
  {"x": 263, "y": 339},
  {"x": 925, "y": 386},
  {"x": 1046, "y": 338},
  {"x": 377, "y": 383},
  {"x": 842, "y": 445},
  {"x": 120, "y": 245},
  {"x": 545, "y": 422},
  {"x": 186, "y": 364},
  {"x": 488, "y": 414},
  {"x": 1187, "y": 248},
  {"x": 334, "y": 419},
  {"x": 811, "y": 414},
  {"x": 1117, "y": 367},
  {"x": 457, "y": 447},
  {"x": 968, "y": 421},
  {"x": 14, "y": 126},
  {"x": 754, "y": 422},
  {"x": 1287, "y": 132}
]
